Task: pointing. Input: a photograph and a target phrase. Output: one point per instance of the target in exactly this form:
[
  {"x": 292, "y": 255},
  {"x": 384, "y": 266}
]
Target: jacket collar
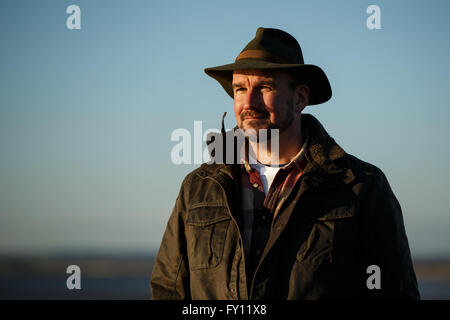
[{"x": 322, "y": 148}]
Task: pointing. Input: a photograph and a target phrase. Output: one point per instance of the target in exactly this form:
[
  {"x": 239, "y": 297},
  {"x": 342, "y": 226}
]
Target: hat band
[{"x": 259, "y": 54}]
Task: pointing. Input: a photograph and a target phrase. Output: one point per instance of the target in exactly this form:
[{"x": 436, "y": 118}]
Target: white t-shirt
[{"x": 266, "y": 173}]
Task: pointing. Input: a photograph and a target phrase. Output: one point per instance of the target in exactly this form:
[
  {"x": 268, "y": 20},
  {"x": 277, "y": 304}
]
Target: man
[{"x": 317, "y": 223}]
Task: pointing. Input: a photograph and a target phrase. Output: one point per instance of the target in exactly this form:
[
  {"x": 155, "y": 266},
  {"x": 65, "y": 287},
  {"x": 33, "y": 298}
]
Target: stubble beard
[{"x": 268, "y": 125}]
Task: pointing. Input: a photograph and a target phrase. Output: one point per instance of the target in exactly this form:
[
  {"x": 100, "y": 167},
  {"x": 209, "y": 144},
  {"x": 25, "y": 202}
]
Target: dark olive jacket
[{"x": 340, "y": 218}]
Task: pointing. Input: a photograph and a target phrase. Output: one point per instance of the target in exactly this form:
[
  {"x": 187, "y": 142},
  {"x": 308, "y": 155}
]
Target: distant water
[
  {"x": 128, "y": 277},
  {"x": 135, "y": 288},
  {"x": 434, "y": 289}
]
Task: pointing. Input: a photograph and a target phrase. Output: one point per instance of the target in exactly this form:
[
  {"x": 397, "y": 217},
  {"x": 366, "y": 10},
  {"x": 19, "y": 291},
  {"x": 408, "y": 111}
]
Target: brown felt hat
[{"x": 275, "y": 49}]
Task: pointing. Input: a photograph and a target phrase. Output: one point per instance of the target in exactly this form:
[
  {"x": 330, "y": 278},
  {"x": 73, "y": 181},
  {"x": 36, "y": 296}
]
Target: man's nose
[{"x": 252, "y": 99}]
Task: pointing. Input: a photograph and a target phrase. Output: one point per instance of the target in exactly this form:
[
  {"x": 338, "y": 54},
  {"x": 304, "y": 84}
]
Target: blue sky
[{"x": 86, "y": 115}]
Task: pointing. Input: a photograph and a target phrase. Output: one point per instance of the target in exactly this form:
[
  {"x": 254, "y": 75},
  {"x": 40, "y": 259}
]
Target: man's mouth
[{"x": 253, "y": 118}]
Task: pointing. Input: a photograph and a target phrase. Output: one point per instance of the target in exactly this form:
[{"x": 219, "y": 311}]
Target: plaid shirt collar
[{"x": 299, "y": 160}]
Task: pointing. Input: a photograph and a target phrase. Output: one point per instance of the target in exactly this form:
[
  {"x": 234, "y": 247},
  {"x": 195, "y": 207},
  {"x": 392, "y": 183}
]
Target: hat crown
[
  {"x": 279, "y": 45},
  {"x": 273, "y": 49}
]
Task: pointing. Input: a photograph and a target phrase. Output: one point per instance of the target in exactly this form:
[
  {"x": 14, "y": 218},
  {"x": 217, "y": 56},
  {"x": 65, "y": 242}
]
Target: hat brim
[{"x": 308, "y": 74}]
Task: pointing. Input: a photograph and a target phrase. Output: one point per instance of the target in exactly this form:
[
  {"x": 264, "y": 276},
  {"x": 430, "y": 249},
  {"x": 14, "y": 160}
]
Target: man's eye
[{"x": 240, "y": 89}]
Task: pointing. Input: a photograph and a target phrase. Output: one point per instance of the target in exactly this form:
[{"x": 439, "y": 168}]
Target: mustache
[{"x": 253, "y": 114}]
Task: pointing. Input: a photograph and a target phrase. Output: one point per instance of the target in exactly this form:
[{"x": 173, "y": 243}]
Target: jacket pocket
[
  {"x": 207, "y": 225},
  {"x": 319, "y": 243}
]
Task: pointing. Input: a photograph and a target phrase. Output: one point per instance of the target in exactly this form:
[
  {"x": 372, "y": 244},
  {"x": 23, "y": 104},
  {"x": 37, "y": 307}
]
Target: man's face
[{"x": 263, "y": 99}]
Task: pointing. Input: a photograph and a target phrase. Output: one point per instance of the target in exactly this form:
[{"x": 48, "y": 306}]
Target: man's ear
[{"x": 301, "y": 94}]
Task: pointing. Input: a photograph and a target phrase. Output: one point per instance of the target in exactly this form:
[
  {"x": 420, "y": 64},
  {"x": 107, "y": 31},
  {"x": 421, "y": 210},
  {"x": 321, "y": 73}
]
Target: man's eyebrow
[
  {"x": 267, "y": 83},
  {"x": 258, "y": 84}
]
